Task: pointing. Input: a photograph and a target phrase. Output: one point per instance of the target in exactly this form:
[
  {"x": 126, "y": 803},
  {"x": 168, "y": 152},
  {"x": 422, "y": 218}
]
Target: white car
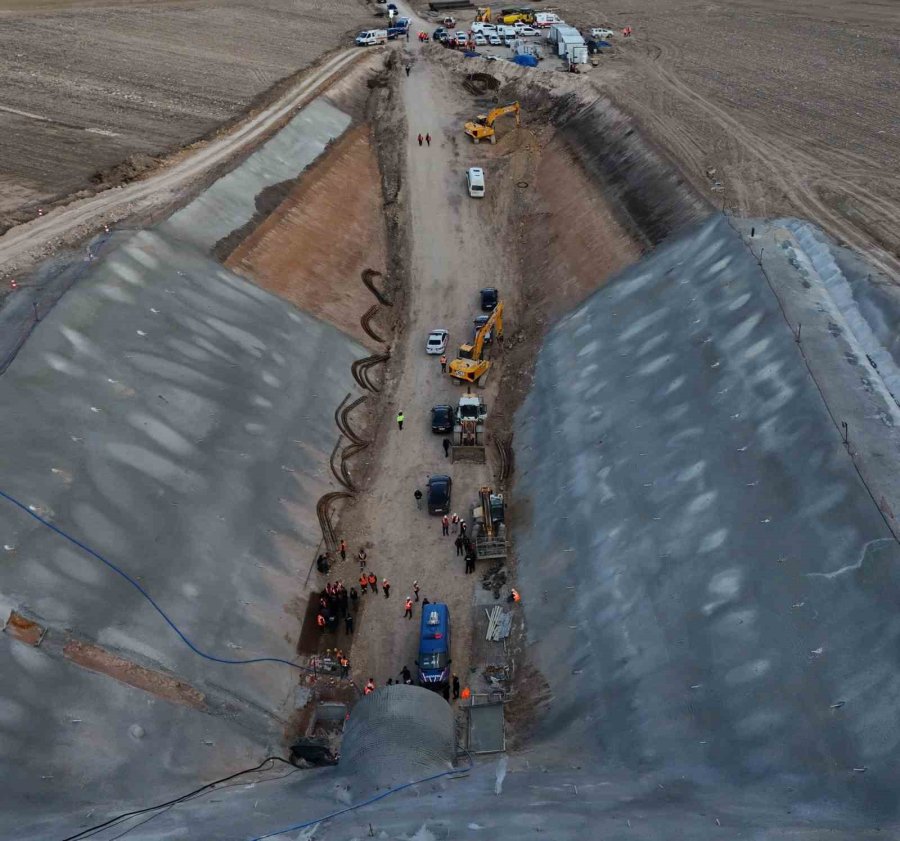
[
  {"x": 461, "y": 37},
  {"x": 479, "y": 40},
  {"x": 527, "y": 32},
  {"x": 494, "y": 39},
  {"x": 437, "y": 341},
  {"x": 599, "y": 34}
]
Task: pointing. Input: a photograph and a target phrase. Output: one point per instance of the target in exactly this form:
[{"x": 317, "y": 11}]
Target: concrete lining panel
[
  {"x": 733, "y": 615},
  {"x": 178, "y": 420},
  {"x": 230, "y": 203}
]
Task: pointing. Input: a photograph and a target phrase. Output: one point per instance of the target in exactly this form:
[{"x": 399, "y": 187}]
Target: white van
[
  {"x": 371, "y": 38},
  {"x": 542, "y": 20},
  {"x": 475, "y": 182}
]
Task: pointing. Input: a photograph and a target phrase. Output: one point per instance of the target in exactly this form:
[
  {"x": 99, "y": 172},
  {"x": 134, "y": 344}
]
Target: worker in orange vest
[
  {"x": 514, "y": 595},
  {"x": 320, "y": 621},
  {"x": 443, "y": 364},
  {"x": 370, "y": 686},
  {"x": 345, "y": 666},
  {"x": 363, "y": 583},
  {"x": 407, "y": 612},
  {"x": 466, "y": 693},
  {"x": 373, "y": 582}
]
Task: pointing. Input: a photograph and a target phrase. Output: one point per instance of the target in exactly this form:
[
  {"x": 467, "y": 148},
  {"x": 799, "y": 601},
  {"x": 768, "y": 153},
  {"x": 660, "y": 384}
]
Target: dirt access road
[
  {"x": 451, "y": 238},
  {"x": 66, "y": 225}
]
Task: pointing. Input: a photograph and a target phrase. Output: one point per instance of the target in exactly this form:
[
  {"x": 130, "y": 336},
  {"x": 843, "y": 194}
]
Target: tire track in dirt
[{"x": 795, "y": 169}]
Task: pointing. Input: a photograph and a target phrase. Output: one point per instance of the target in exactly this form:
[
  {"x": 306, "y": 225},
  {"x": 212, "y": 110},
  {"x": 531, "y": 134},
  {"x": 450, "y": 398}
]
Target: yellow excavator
[
  {"x": 468, "y": 366},
  {"x": 483, "y": 125},
  {"x": 511, "y": 16},
  {"x": 483, "y": 14}
]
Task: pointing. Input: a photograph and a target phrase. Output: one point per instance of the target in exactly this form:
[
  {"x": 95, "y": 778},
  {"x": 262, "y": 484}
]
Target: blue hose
[
  {"x": 137, "y": 586},
  {"x": 355, "y": 806}
]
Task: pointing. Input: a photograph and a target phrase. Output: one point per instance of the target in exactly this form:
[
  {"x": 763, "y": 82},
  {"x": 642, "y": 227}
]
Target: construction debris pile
[{"x": 494, "y": 579}]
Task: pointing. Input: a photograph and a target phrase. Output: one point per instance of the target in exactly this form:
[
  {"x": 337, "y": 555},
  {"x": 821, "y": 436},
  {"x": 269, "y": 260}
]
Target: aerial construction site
[{"x": 430, "y": 421}]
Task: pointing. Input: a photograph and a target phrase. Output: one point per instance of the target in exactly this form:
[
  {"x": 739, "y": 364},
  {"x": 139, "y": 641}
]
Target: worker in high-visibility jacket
[
  {"x": 370, "y": 686},
  {"x": 320, "y": 621},
  {"x": 407, "y": 608}
]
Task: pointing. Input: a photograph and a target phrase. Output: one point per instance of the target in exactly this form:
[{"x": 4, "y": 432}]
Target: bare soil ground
[
  {"x": 768, "y": 108},
  {"x": 314, "y": 247},
  {"x": 89, "y": 85}
]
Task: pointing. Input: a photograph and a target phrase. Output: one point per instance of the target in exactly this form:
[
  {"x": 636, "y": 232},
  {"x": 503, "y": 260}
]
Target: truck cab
[{"x": 434, "y": 647}]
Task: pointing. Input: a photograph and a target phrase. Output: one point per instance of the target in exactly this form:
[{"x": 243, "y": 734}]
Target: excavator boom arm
[
  {"x": 495, "y": 319},
  {"x": 499, "y": 112}
]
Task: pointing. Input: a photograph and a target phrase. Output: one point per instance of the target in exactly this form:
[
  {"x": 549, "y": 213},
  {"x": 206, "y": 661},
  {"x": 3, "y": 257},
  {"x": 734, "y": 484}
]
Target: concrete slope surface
[
  {"x": 179, "y": 421},
  {"x": 710, "y": 590}
]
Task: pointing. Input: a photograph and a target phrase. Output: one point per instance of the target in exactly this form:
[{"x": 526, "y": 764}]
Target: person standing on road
[
  {"x": 363, "y": 583},
  {"x": 428, "y": 139},
  {"x": 454, "y": 521},
  {"x": 400, "y": 418},
  {"x": 386, "y": 588},
  {"x": 362, "y": 556},
  {"x": 446, "y": 448},
  {"x": 348, "y": 624},
  {"x": 345, "y": 666},
  {"x": 445, "y": 525},
  {"x": 354, "y": 599},
  {"x": 343, "y": 549},
  {"x": 407, "y": 608},
  {"x": 408, "y": 68},
  {"x": 418, "y": 496},
  {"x": 459, "y": 545},
  {"x": 373, "y": 582},
  {"x": 405, "y": 674},
  {"x": 462, "y": 526},
  {"x": 443, "y": 364},
  {"x": 455, "y": 687},
  {"x": 370, "y": 686},
  {"x": 416, "y": 589},
  {"x": 470, "y": 562},
  {"x": 420, "y": 138}
]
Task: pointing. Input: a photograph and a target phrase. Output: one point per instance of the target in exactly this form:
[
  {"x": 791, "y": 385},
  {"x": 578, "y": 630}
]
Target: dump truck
[
  {"x": 469, "y": 366},
  {"x": 482, "y": 127},
  {"x": 489, "y": 519},
  {"x": 468, "y": 435}
]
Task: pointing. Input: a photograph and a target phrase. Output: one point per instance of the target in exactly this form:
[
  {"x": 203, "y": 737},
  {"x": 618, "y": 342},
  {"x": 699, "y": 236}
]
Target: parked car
[
  {"x": 601, "y": 34},
  {"x": 494, "y": 39},
  {"x": 439, "y": 488},
  {"x": 475, "y": 182},
  {"x": 437, "y": 341},
  {"x": 527, "y": 32},
  {"x": 438, "y": 34},
  {"x": 479, "y": 40},
  {"x": 488, "y": 299},
  {"x": 442, "y": 419}
]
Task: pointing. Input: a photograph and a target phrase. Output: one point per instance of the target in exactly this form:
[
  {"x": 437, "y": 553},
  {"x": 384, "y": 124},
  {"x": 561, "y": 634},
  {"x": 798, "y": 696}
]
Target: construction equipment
[
  {"x": 468, "y": 442},
  {"x": 511, "y": 16},
  {"x": 483, "y": 14},
  {"x": 469, "y": 367},
  {"x": 483, "y": 125},
  {"x": 489, "y": 516}
]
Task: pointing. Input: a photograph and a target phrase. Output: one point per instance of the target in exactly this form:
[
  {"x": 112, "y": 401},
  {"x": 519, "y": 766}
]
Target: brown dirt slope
[
  {"x": 314, "y": 247},
  {"x": 87, "y": 86}
]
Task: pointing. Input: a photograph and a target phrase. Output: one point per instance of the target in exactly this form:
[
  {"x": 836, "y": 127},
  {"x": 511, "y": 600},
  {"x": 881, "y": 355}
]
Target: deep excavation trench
[{"x": 574, "y": 197}]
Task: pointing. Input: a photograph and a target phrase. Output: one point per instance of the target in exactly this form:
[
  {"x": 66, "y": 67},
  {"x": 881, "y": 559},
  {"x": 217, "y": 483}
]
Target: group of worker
[
  {"x": 335, "y": 601},
  {"x": 406, "y": 678}
]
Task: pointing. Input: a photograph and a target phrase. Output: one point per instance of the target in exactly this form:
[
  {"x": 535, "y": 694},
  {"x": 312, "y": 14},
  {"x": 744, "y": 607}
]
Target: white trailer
[
  {"x": 566, "y": 41},
  {"x": 555, "y": 32}
]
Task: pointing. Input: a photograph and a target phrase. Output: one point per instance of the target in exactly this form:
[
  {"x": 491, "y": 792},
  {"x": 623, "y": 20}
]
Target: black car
[
  {"x": 439, "y": 34},
  {"x": 442, "y": 419},
  {"x": 488, "y": 299},
  {"x": 439, "y": 494}
]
